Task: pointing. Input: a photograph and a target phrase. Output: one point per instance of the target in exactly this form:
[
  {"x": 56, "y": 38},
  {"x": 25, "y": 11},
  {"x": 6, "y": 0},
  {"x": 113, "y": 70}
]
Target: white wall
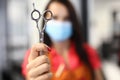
[{"x": 101, "y": 24}]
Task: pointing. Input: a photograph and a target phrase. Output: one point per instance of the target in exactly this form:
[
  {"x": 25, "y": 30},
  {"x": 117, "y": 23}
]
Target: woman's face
[
  {"x": 61, "y": 17},
  {"x": 59, "y": 11}
]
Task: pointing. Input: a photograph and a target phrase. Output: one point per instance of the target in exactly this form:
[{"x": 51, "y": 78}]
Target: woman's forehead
[{"x": 58, "y": 9}]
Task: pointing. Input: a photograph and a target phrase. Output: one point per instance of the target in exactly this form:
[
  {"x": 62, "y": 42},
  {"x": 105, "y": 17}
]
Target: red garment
[{"x": 73, "y": 58}]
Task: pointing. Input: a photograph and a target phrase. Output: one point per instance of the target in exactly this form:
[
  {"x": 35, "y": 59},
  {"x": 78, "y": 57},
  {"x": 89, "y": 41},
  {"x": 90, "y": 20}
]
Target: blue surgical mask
[{"x": 59, "y": 30}]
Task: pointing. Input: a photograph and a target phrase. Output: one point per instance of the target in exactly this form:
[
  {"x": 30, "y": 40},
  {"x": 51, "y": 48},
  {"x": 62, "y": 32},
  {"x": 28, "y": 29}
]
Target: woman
[{"x": 70, "y": 58}]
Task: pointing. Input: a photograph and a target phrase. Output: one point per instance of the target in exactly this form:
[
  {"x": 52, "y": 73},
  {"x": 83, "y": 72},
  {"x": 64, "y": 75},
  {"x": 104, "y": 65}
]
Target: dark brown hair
[{"x": 77, "y": 36}]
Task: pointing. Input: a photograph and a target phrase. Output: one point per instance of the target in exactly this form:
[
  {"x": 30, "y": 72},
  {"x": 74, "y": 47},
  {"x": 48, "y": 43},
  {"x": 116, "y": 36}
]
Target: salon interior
[{"x": 100, "y": 18}]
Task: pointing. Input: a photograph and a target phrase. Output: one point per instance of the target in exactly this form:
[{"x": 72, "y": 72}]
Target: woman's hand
[{"x": 38, "y": 67}]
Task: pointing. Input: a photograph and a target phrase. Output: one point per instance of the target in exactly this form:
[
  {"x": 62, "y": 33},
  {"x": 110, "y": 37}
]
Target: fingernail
[{"x": 49, "y": 49}]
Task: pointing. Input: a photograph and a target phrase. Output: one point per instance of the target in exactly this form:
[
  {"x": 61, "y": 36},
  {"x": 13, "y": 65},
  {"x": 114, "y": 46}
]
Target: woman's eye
[
  {"x": 66, "y": 19},
  {"x": 55, "y": 17}
]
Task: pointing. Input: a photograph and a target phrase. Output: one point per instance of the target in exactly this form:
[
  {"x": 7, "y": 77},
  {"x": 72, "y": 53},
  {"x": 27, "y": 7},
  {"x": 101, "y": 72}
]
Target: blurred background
[{"x": 101, "y": 20}]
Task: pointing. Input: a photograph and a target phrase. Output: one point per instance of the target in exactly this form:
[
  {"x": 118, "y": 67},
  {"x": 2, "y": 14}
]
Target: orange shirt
[{"x": 77, "y": 70}]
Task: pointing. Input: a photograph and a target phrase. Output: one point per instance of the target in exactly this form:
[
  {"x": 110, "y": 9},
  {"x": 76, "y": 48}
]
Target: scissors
[{"x": 41, "y": 30}]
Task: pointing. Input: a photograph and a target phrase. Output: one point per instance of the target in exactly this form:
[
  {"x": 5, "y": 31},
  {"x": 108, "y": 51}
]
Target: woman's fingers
[
  {"x": 46, "y": 76},
  {"x": 39, "y": 70},
  {"x": 37, "y": 62},
  {"x": 38, "y": 67},
  {"x": 36, "y": 49}
]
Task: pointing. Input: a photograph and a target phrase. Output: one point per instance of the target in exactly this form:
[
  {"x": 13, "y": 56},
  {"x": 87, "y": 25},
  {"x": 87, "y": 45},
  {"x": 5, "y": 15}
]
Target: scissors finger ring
[{"x": 45, "y": 17}]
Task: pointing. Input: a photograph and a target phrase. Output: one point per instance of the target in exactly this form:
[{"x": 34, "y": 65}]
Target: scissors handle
[
  {"x": 41, "y": 40},
  {"x": 41, "y": 35},
  {"x": 36, "y": 19},
  {"x": 47, "y": 12},
  {"x": 33, "y": 14}
]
